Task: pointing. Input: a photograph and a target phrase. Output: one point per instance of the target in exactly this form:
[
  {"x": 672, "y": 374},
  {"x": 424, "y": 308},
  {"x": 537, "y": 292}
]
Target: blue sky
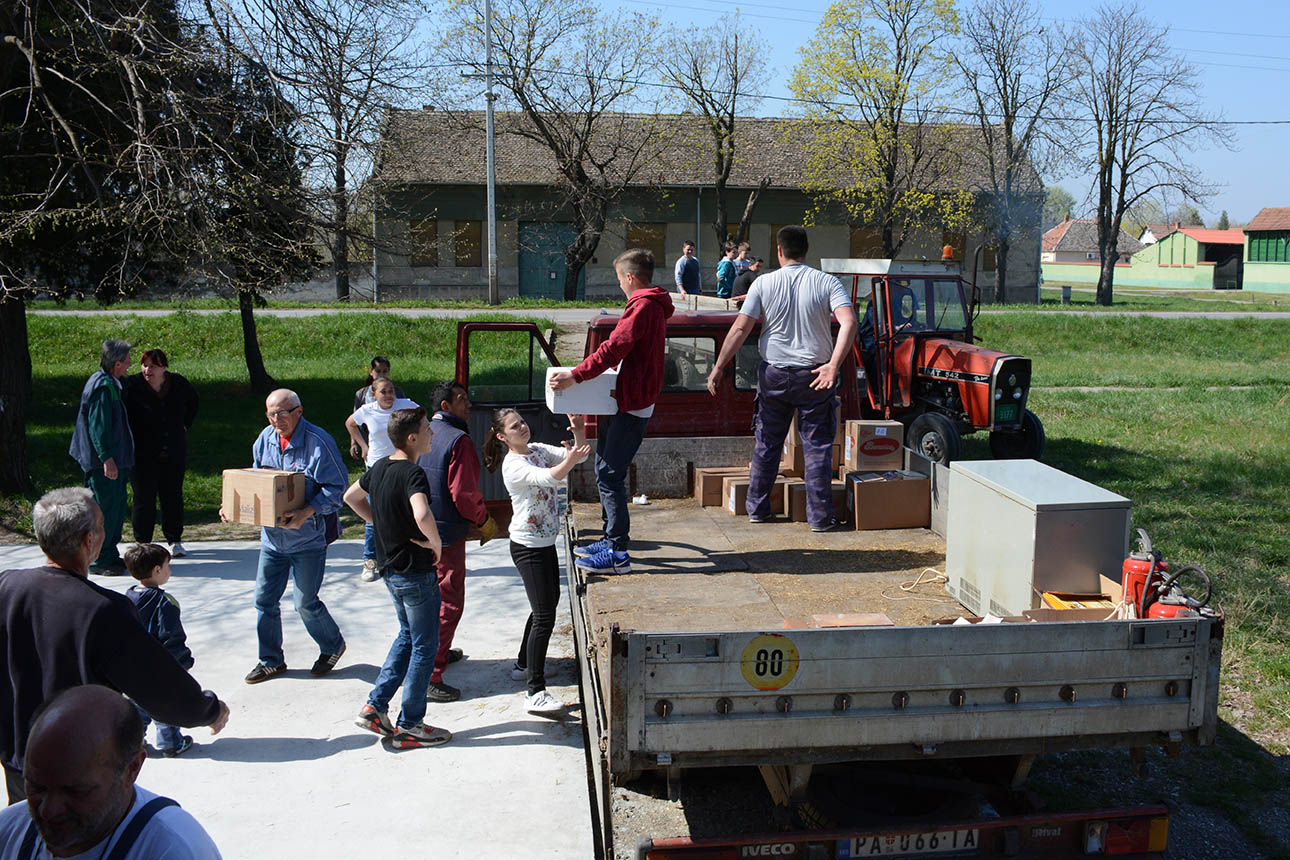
[{"x": 1240, "y": 48}]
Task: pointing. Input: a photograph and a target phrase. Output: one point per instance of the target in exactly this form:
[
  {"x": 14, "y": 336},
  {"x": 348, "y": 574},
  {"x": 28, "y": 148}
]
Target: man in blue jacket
[
  {"x": 104, "y": 448},
  {"x": 299, "y": 547}
]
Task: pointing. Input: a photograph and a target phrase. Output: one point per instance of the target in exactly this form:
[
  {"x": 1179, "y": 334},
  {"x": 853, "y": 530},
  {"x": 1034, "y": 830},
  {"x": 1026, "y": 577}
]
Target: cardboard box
[
  {"x": 791, "y": 459},
  {"x": 795, "y": 499},
  {"x": 735, "y": 493},
  {"x": 791, "y": 462},
  {"x": 709, "y": 483},
  {"x": 260, "y": 497},
  {"x": 873, "y": 446},
  {"x": 888, "y": 500},
  {"x": 593, "y": 397}
]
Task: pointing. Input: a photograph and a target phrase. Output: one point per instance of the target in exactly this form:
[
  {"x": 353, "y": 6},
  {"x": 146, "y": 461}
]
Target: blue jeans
[
  {"x": 306, "y": 571},
  {"x": 781, "y": 392},
  {"x": 369, "y": 545},
  {"x": 168, "y": 737},
  {"x": 411, "y": 657},
  {"x": 617, "y": 439}
]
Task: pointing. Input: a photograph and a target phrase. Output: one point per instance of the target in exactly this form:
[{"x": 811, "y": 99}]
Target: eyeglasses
[{"x": 283, "y": 413}]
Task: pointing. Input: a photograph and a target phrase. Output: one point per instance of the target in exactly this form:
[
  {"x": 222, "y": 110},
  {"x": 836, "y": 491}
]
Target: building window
[
  {"x": 1090, "y": 255},
  {"x": 467, "y": 244},
  {"x": 425, "y": 242},
  {"x": 649, "y": 236},
  {"x": 1270, "y": 247},
  {"x": 956, "y": 240},
  {"x": 866, "y": 243}
]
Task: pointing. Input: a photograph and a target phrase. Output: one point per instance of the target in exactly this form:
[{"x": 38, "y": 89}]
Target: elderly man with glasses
[{"x": 298, "y": 548}]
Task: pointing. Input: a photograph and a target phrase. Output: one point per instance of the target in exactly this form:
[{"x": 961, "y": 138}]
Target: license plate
[
  {"x": 1005, "y": 412},
  {"x": 910, "y": 844}
]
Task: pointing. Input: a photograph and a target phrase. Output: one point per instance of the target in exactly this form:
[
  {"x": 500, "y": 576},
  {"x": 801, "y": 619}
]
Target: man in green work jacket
[{"x": 104, "y": 447}]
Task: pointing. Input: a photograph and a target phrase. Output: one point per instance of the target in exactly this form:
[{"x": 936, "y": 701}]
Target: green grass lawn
[
  {"x": 1084, "y": 298},
  {"x": 323, "y": 358}
]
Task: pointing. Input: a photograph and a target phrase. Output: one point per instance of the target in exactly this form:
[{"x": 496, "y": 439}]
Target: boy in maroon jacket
[{"x": 637, "y": 342}]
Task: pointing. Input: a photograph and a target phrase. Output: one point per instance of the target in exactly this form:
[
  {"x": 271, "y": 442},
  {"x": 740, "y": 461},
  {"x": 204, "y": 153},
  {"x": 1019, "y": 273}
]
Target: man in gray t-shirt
[{"x": 798, "y": 373}]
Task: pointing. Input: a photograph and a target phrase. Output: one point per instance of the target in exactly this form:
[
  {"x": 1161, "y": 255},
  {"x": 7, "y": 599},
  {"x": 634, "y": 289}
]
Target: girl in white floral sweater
[{"x": 533, "y": 473}]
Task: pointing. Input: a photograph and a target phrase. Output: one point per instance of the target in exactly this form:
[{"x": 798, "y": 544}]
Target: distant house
[
  {"x": 1191, "y": 258},
  {"x": 1267, "y": 251},
  {"x": 430, "y": 209},
  {"x": 1075, "y": 241}
]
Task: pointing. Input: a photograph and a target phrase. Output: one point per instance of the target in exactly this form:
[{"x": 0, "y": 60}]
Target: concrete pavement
[{"x": 292, "y": 777}]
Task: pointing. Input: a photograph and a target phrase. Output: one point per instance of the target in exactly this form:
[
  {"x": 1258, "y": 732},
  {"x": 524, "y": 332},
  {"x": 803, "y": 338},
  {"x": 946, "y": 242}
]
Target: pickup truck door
[{"x": 504, "y": 364}]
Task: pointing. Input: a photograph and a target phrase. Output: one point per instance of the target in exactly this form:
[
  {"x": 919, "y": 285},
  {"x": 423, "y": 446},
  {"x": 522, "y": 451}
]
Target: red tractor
[{"x": 922, "y": 368}]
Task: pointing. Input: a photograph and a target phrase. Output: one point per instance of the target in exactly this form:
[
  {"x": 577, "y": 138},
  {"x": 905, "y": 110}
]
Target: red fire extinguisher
[{"x": 1152, "y": 590}]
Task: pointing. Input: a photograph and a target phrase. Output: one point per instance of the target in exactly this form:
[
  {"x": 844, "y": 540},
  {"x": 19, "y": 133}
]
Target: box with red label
[{"x": 873, "y": 446}]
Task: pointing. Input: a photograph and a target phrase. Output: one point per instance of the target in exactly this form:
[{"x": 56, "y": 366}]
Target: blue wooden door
[{"x": 542, "y": 266}]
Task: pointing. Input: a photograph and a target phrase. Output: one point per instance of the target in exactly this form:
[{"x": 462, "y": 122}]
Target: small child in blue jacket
[{"x": 159, "y": 613}]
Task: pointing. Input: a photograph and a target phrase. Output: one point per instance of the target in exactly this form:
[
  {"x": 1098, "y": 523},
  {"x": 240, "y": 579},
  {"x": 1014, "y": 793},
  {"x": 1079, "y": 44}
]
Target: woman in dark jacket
[{"x": 161, "y": 407}]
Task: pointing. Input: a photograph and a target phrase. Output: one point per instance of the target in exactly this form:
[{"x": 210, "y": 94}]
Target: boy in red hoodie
[{"x": 637, "y": 343}]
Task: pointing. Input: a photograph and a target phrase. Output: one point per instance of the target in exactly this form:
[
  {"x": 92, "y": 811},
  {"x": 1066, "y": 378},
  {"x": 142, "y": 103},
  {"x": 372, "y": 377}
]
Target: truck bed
[
  {"x": 701, "y": 569},
  {"x": 723, "y": 648}
]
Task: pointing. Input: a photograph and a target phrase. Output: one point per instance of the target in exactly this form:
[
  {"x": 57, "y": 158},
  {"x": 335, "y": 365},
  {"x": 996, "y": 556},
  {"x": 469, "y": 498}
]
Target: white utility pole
[{"x": 494, "y": 296}]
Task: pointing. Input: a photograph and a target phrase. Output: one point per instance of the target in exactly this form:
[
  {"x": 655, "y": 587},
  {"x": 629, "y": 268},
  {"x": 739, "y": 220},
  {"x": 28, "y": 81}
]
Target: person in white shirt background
[{"x": 374, "y": 417}]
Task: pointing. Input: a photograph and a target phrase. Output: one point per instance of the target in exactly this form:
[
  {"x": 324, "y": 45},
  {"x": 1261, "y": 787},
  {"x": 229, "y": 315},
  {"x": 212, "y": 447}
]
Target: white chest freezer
[{"x": 1018, "y": 528}]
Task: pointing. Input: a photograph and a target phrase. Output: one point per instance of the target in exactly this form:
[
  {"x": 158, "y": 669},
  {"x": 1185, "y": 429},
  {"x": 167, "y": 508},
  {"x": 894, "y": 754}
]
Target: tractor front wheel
[
  {"x": 935, "y": 437},
  {"x": 1024, "y": 444}
]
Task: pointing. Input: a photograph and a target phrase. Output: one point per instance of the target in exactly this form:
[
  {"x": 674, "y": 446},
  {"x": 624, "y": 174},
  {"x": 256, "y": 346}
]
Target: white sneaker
[
  {"x": 519, "y": 673},
  {"x": 370, "y": 573},
  {"x": 542, "y": 702},
  {"x": 177, "y": 550}
]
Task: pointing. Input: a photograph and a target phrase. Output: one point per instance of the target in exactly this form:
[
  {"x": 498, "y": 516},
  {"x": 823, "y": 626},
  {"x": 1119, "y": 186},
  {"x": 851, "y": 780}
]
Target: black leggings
[{"x": 540, "y": 569}]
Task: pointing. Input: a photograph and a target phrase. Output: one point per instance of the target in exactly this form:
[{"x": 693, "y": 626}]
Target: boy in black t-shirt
[{"x": 407, "y": 547}]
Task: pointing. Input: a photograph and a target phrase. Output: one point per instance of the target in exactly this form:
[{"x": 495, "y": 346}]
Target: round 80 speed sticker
[{"x": 769, "y": 661}]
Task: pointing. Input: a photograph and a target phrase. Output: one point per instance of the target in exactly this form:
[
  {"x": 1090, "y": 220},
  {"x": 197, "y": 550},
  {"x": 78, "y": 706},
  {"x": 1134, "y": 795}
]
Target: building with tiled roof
[
  {"x": 1267, "y": 251},
  {"x": 430, "y": 182},
  {"x": 1074, "y": 240}
]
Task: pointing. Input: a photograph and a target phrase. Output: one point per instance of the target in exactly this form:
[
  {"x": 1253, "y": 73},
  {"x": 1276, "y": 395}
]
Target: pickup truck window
[
  {"x": 687, "y": 361},
  {"x": 506, "y": 366},
  {"x": 747, "y": 360}
]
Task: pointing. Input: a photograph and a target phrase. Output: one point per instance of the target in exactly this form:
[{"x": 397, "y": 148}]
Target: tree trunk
[
  {"x": 15, "y": 387},
  {"x": 1106, "y": 277},
  {"x": 1001, "y": 271},
  {"x": 589, "y": 218},
  {"x": 261, "y": 381},
  {"x": 746, "y": 221},
  {"x": 340, "y": 226},
  {"x": 720, "y": 220}
]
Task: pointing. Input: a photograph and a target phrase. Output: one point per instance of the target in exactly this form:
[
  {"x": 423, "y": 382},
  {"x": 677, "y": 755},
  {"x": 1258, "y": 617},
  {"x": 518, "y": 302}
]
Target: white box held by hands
[{"x": 593, "y": 397}]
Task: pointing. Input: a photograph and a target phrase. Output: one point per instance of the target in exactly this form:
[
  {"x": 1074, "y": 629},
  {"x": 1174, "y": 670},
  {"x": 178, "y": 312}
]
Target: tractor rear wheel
[
  {"x": 935, "y": 437},
  {"x": 1024, "y": 444}
]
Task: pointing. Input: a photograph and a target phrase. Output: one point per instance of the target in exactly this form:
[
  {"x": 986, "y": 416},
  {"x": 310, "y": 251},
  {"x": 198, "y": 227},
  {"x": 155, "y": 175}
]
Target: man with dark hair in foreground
[{"x": 83, "y": 756}]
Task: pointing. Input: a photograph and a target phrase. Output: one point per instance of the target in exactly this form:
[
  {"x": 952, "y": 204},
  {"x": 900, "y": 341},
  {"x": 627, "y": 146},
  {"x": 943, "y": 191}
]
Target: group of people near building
[
  {"x": 74, "y": 647},
  {"x": 735, "y": 273}
]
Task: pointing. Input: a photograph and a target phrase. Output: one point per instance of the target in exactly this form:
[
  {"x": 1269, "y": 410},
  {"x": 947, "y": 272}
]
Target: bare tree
[
  {"x": 574, "y": 73},
  {"x": 341, "y": 63},
  {"x": 1014, "y": 73},
  {"x": 876, "y": 75},
  {"x": 121, "y": 138},
  {"x": 719, "y": 70},
  {"x": 1146, "y": 114}
]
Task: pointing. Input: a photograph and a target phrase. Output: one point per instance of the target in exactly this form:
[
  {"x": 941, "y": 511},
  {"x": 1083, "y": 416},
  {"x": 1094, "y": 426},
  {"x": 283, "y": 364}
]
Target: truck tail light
[{"x": 1126, "y": 836}]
